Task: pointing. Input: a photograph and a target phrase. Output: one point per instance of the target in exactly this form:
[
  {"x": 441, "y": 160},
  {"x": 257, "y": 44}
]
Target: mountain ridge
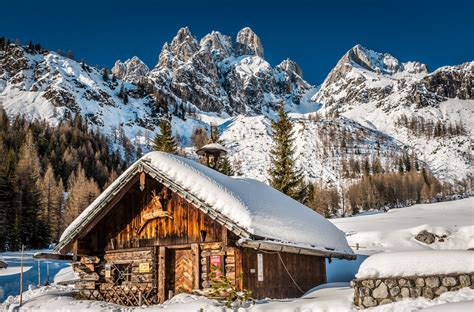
[{"x": 209, "y": 80}]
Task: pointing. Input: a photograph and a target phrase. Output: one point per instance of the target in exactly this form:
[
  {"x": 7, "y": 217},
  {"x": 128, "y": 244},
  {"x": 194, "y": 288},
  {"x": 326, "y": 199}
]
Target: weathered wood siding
[
  {"x": 307, "y": 271},
  {"x": 118, "y": 229}
]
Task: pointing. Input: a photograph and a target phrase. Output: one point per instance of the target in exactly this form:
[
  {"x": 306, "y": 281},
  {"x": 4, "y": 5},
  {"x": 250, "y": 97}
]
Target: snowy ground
[
  {"x": 10, "y": 278},
  {"x": 396, "y": 229},
  {"x": 331, "y": 297}
]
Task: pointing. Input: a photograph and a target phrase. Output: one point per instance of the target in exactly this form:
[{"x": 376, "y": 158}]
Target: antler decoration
[{"x": 153, "y": 210}]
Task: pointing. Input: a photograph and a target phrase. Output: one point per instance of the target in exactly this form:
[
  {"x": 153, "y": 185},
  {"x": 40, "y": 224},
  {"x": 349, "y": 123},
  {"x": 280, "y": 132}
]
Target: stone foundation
[{"x": 373, "y": 292}]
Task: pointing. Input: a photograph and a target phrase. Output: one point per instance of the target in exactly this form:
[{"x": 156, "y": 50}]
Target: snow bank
[
  {"x": 13, "y": 270},
  {"x": 66, "y": 276},
  {"x": 250, "y": 204},
  {"x": 396, "y": 229},
  {"x": 417, "y": 263}
]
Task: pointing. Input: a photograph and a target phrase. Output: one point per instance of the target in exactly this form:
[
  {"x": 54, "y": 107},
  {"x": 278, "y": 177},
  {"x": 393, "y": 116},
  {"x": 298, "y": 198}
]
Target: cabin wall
[{"x": 270, "y": 279}]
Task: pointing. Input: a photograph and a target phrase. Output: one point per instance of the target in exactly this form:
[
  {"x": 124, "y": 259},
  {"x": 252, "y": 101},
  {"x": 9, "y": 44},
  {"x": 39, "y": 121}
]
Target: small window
[{"x": 122, "y": 273}]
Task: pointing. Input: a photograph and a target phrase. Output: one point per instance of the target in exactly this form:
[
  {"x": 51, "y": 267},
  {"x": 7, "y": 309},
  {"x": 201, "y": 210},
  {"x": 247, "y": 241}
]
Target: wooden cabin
[{"x": 167, "y": 221}]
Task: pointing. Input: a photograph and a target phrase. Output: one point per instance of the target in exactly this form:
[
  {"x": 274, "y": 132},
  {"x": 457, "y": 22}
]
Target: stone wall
[{"x": 376, "y": 291}]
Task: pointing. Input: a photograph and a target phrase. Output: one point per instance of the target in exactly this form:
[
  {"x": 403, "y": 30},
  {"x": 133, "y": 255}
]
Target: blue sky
[{"x": 313, "y": 33}]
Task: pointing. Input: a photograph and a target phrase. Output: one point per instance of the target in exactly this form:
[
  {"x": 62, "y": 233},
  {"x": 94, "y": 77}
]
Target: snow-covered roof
[{"x": 262, "y": 216}]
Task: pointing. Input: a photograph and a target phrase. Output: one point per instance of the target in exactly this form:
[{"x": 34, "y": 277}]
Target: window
[{"x": 122, "y": 273}]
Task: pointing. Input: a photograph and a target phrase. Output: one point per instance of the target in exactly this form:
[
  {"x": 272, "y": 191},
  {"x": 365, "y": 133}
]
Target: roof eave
[{"x": 282, "y": 247}]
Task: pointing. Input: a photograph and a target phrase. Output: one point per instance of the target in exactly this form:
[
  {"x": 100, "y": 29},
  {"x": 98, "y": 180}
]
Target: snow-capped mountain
[
  {"x": 355, "y": 114},
  {"x": 377, "y": 90},
  {"x": 215, "y": 74}
]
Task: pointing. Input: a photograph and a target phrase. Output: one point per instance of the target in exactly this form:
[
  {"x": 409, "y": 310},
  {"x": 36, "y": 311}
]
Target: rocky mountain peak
[
  {"x": 291, "y": 66},
  {"x": 220, "y": 45},
  {"x": 248, "y": 43},
  {"x": 131, "y": 70},
  {"x": 184, "y": 44},
  {"x": 374, "y": 61}
]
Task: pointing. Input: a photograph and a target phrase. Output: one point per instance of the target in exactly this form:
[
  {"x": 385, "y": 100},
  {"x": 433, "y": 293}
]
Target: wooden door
[{"x": 180, "y": 271}]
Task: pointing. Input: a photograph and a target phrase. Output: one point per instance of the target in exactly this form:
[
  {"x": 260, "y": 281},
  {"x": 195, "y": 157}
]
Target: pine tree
[
  {"x": 283, "y": 174},
  {"x": 82, "y": 191},
  {"x": 28, "y": 227},
  {"x": 6, "y": 207},
  {"x": 52, "y": 197},
  {"x": 225, "y": 166},
  {"x": 165, "y": 142}
]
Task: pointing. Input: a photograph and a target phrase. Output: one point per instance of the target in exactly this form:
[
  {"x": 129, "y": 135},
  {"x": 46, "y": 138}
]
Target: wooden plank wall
[
  {"x": 308, "y": 272},
  {"x": 117, "y": 230}
]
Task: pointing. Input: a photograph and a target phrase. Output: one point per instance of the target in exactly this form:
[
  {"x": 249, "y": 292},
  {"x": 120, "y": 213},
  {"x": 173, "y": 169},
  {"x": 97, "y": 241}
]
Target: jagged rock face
[
  {"x": 214, "y": 77},
  {"x": 364, "y": 76},
  {"x": 452, "y": 82},
  {"x": 289, "y": 76},
  {"x": 374, "y": 61},
  {"x": 220, "y": 45},
  {"x": 183, "y": 46},
  {"x": 132, "y": 70},
  {"x": 248, "y": 43},
  {"x": 45, "y": 85}
]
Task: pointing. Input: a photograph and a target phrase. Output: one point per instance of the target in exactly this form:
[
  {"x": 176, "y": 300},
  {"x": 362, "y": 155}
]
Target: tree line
[
  {"x": 48, "y": 175},
  {"x": 419, "y": 126}
]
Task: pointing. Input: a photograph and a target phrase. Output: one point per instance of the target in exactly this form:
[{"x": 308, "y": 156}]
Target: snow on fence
[{"x": 388, "y": 277}]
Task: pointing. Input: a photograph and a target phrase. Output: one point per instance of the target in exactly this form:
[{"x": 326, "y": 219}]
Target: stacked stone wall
[{"x": 376, "y": 291}]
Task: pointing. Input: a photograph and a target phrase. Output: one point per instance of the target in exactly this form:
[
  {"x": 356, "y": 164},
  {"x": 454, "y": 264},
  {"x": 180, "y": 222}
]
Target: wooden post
[
  {"x": 238, "y": 268},
  {"x": 39, "y": 273},
  {"x": 47, "y": 272},
  {"x": 196, "y": 265},
  {"x": 21, "y": 275},
  {"x": 161, "y": 274}
]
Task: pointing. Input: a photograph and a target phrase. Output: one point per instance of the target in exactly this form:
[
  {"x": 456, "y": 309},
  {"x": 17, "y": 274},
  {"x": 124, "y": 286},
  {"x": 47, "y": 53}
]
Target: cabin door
[{"x": 179, "y": 273}]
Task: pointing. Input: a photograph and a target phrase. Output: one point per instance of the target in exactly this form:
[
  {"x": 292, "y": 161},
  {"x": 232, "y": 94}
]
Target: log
[
  {"x": 208, "y": 246},
  {"x": 90, "y": 260},
  {"x": 89, "y": 276},
  {"x": 85, "y": 285}
]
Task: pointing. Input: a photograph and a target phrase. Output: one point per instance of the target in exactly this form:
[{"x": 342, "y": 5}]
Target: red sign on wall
[{"x": 216, "y": 265}]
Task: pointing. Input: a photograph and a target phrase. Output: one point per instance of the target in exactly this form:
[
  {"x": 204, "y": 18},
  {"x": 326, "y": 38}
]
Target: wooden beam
[
  {"x": 238, "y": 267},
  {"x": 52, "y": 256},
  {"x": 196, "y": 266},
  {"x": 161, "y": 274}
]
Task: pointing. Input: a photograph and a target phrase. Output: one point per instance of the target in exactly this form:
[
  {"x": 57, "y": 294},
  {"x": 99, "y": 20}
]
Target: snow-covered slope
[
  {"x": 396, "y": 229},
  {"x": 376, "y": 90},
  {"x": 47, "y": 86}
]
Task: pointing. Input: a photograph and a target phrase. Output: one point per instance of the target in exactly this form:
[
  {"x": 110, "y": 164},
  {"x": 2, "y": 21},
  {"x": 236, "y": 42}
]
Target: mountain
[
  {"x": 378, "y": 91},
  {"x": 215, "y": 74},
  {"x": 370, "y": 108}
]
